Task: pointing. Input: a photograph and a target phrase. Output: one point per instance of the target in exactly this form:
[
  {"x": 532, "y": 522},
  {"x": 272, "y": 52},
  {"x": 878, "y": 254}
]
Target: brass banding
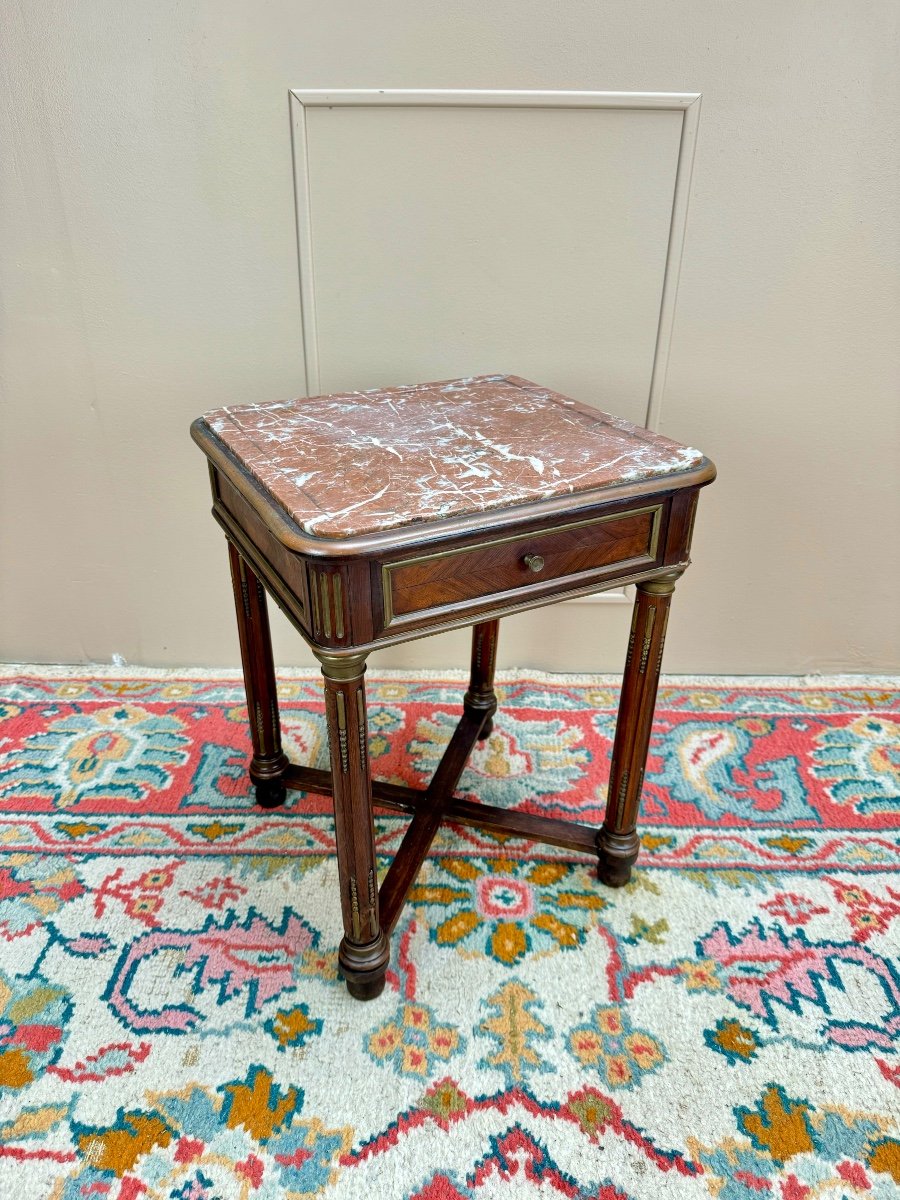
[
  {"x": 338, "y": 607},
  {"x": 354, "y": 910},
  {"x": 326, "y": 609},
  {"x": 648, "y": 638},
  {"x": 260, "y": 728},
  {"x": 631, "y": 637},
  {"x": 314, "y": 596},
  {"x": 690, "y": 531},
  {"x": 361, "y": 730},
  {"x": 245, "y": 590},
  {"x": 373, "y": 903},
  {"x": 341, "y": 705},
  {"x": 662, "y": 637}
]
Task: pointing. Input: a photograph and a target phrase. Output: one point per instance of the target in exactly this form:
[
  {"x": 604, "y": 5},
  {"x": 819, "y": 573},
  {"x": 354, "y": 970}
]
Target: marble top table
[{"x": 381, "y": 516}]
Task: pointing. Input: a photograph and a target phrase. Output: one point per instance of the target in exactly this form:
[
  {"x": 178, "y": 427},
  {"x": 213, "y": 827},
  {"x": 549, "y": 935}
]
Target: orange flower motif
[
  {"x": 609, "y": 1021},
  {"x": 508, "y": 907},
  {"x": 415, "y": 1061},
  {"x": 608, "y": 1044},
  {"x": 385, "y": 1041},
  {"x": 618, "y": 1072},
  {"x": 644, "y": 1050},
  {"x": 586, "y": 1045},
  {"x": 413, "y": 1042},
  {"x": 700, "y": 976}
]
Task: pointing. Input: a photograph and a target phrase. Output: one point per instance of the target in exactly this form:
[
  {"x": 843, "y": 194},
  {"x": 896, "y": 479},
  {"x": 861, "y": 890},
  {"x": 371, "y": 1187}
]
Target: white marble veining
[{"x": 358, "y": 462}]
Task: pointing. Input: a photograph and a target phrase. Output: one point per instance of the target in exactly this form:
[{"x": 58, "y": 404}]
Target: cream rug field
[{"x": 172, "y": 1024}]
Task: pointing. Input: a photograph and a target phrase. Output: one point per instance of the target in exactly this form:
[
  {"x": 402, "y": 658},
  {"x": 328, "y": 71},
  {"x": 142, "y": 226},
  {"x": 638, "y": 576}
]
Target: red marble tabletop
[{"x": 359, "y": 462}]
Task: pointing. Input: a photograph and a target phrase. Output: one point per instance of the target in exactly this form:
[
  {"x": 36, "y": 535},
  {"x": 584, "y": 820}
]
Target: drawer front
[{"x": 565, "y": 554}]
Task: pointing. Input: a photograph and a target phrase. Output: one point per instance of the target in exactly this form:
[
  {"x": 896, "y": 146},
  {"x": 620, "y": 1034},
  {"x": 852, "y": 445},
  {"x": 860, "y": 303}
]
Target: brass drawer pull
[{"x": 534, "y": 562}]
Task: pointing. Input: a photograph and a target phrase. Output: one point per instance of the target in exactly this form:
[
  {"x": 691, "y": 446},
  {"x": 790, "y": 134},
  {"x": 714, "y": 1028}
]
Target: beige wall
[{"x": 149, "y": 272}]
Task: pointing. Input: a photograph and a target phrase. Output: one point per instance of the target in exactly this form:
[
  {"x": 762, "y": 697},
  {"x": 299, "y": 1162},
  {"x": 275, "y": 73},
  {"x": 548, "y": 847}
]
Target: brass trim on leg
[
  {"x": 354, "y": 910},
  {"x": 632, "y": 636},
  {"x": 326, "y": 606},
  {"x": 662, "y": 637},
  {"x": 314, "y": 597},
  {"x": 341, "y": 706},
  {"x": 660, "y": 585},
  {"x": 260, "y": 728},
  {"x": 245, "y": 588},
  {"x": 338, "y": 606},
  {"x": 362, "y": 731},
  {"x": 341, "y": 668},
  {"x": 648, "y": 638}
]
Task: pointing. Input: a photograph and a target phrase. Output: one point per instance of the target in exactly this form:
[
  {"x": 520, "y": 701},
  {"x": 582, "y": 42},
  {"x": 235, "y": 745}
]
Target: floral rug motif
[{"x": 173, "y": 1025}]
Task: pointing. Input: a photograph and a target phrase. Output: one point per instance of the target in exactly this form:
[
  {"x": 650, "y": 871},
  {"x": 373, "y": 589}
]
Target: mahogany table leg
[
  {"x": 617, "y": 841},
  {"x": 480, "y": 696},
  {"x": 269, "y": 761},
  {"x": 364, "y": 951}
]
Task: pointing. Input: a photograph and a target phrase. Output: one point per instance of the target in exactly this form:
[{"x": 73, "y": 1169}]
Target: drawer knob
[{"x": 534, "y": 562}]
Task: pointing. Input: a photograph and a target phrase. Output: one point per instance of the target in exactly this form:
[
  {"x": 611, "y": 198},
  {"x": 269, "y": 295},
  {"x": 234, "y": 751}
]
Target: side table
[{"x": 383, "y": 516}]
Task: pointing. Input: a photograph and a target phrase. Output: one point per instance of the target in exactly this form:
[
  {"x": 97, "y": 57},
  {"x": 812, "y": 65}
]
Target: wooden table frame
[{"x": 343, "y": 597}]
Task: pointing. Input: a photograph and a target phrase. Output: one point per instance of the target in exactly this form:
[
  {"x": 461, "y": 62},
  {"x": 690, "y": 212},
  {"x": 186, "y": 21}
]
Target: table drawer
[{"x": 564, "y": 554}]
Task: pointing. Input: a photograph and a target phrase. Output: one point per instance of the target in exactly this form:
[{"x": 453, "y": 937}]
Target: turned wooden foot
[
  {"x": 271, "y": 793},
  {"x": 616, "y": 856},
  {"x": 366, "y": 991},
  {"x": 364, "y": 966}
]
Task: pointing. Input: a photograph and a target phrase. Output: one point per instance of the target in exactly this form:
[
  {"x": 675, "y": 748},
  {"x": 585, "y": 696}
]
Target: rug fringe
[{"x": 451, "y": 675}]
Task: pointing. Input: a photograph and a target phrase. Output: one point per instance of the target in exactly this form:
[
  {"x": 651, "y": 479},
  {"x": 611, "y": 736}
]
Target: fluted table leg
[
  {"x": 269, "y": 760},
  {"x": 364, "y": 950},
  {"x": 617, "y": 841}
]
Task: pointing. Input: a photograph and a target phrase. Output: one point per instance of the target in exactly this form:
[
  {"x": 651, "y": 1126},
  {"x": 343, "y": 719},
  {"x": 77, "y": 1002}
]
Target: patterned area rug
[{"x": 172, "y": 1023}]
